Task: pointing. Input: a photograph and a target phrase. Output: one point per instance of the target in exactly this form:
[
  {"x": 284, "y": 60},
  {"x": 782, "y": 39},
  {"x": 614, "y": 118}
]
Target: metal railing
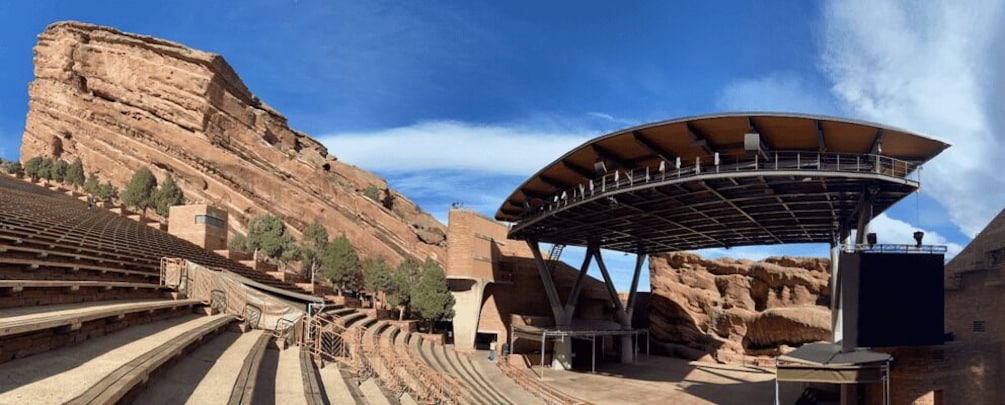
[
  {"x": 894, "y": 248},
  {"x": 777, "y": 161}
]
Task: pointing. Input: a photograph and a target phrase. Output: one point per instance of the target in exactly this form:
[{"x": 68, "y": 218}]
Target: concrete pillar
[
  {"x": 467, "y": 312},
  {"x": 561, "y": 358},
  {"x": 624, "y": 315}
]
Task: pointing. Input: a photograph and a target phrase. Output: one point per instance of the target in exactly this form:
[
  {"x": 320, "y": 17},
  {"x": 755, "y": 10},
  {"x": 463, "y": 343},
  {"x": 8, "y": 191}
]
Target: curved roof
[{"x": 693, "y": 148}]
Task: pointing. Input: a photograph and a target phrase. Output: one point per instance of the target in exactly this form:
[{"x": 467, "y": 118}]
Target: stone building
[{"x": 200, "y": 224}]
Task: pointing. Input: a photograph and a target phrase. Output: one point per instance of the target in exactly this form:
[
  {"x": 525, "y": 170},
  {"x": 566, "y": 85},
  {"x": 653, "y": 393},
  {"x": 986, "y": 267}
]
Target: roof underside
[{"x": 661, "y": 187}]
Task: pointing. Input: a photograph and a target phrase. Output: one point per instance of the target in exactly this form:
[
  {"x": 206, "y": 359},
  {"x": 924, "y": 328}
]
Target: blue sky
[{"x": 459, "y": 101}]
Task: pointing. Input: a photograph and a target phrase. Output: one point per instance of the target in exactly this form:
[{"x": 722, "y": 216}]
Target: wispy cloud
[
  {"x": 781, "y": 92},
  {"x": 486, "y": 149},
  {"x": 933, "y": 67}
]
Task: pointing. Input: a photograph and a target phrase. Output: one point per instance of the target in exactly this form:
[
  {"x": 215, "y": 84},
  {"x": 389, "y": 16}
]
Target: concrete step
[
  {"x": 61, "y": 375},
  {"x": 340, "y": 388},
  {"x": 289, "y": 387},
  {"x": 205, "y": 376},
  {"x": 504, "y": 384},
  {"x": 374, "y": 394},
  {"x": 452, "y": 366}
]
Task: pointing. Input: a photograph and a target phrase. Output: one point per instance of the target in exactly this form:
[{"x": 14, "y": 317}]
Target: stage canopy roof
[{"x": 719, "y": 181}]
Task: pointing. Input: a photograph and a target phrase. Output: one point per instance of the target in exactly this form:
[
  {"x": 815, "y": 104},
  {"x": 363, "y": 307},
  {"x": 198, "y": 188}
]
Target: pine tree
[
  {"x": 313, "y": 243},
  {"x": 431, "y": 298},
  {"x": 33, "y": 168},
  {"x": 168, "y": 195},
  {"x": 403, "y": 281},
  {"x": 93, "y": 185},
  {"x": 377, "y": 277},
  {"x": 108, "y": 192},
  {"x": 140, "y": 191},
  {"x": 45, "y": 169},
  {"x": 75, "y": 173},
  {"x": 238, "y": 243},
  {"x": 340, "y": 264},
  {"x": 267, "y": 235},
  {"x": 59, "y": 169}
]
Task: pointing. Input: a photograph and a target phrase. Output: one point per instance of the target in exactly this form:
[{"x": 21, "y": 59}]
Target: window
[
  {"x": 210, "y": 220},
  {"x": 979, "y": 327}
]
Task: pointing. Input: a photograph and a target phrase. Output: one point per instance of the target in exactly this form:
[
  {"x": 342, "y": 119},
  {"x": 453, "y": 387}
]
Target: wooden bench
[
  {"x": 314, "y": 393},
  {"x": 13, "y": 322},
  {"x": 129, "y": 378},
  {"x": 244, "y": 387}
]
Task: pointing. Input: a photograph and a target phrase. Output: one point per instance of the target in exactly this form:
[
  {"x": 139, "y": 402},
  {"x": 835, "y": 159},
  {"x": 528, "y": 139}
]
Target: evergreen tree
[
  {"x": 33, "y": 168},
  {"x": 75, "y": 173},
  {"x": 267, "y": 235},
  {"x": 313, "y": 243},
  {"x": 431, "y": 298},
  {"x": 93, "y": 185},
  {"x": 403, "y": 281},
  {"x": 340, "y": 264},
  {"x": 59, "y": 168},
  {"x": 168, "y": 195},
  {"x": 108, "y": 192},
  {"x": 14, "y": 168},
  {"x": 141, "y": 190},
  {"x": 377, "y": 277},
  {"x": 45, "y": 169},
  {"x": 238, "y": 243}
]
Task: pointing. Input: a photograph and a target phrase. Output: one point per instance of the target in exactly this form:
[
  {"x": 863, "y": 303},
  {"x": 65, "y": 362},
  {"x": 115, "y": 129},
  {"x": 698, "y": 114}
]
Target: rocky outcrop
[
  {"x": 121, "y": 101},
  {"x": 733, "y": 308}
]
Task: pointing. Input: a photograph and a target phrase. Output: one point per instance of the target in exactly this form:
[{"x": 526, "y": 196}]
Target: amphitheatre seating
[
  {"x": 107, "y": 368},
  {"x": 39, "y": 223},
  {"x": 26, "y": 331},
  {"x": 18, "y": 293}
]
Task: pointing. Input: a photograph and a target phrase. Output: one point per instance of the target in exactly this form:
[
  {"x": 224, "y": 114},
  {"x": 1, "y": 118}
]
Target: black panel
[{"x": 900, "y": 299}]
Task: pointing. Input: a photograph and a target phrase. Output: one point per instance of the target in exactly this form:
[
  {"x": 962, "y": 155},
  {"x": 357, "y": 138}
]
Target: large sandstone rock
[
  {"x": 733, "y": 308},
  {"x": 122, "y": 101}
]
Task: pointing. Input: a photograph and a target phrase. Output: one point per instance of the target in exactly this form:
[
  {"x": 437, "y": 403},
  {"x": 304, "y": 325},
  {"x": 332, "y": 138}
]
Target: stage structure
[{"x": 715, "y": 181}]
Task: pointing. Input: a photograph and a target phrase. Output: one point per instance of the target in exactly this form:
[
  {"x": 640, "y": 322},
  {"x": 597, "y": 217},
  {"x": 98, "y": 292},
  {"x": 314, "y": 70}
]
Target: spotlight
[
  {"x": 918, "y": 236},
  {"x": 871, "y": 238},
  {"x": 600, "y": 167}
]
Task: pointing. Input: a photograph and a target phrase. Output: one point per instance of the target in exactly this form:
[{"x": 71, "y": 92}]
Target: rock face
[
  {"x": 734, "y": 308},
  {"x": 121, "y": 101}
]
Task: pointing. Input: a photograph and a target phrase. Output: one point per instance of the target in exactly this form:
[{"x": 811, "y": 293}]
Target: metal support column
[{"x": 561, "y": 350}]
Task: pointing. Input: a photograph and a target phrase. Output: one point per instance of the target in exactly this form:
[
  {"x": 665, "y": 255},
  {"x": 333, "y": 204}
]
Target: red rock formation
[
  {"x": 734, "y": 308},
  {"x": 121, "y": 101}
]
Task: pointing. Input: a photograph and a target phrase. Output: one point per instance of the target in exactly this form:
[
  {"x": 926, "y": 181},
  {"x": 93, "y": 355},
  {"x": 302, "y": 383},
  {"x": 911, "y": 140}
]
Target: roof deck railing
[{"x": 765, "y": 162}]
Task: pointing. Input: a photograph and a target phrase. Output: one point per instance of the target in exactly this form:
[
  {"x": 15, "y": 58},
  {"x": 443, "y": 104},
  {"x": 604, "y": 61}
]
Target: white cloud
[
  {"x": 895, "y": 231},
  {"x": 509, "y": 150},
  {"x": 780, "y": 92},
  {"x": 932, "y": 67}
]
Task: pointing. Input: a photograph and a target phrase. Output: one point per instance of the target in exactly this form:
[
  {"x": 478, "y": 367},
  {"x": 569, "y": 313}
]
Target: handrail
[{"x": 673, "y": 171}]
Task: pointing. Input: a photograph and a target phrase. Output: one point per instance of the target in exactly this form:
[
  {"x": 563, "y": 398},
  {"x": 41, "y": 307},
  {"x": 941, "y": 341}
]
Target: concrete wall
[
  {"x": 479, "y": 250},
  {"x": 208, "y": 233}
]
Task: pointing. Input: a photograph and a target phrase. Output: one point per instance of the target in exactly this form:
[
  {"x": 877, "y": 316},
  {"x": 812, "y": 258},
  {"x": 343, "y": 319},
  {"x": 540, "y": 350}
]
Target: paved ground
[{"x": 670, "y": 380}]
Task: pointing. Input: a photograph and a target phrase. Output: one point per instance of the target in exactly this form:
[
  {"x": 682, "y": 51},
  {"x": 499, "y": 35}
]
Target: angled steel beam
[
  {"x": 533, "y": 194},
  {"x": 741, "y": 211},
  {"x": 699, "y": 138},
  {"x": 561, "y": 185},
  {"x": 821, "y": 143},
  {"x": 582, "y": 171},
  {"x": 549, "y": 284},
  {"x": 606, "y": 154},
  {"x": 613, "y": 292},
  {"x": 639, "y": 258},
  {"x": 652, "y": 147},
  {"x": 570, "y": 304},
  {"x": 877, "y": 143}
]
